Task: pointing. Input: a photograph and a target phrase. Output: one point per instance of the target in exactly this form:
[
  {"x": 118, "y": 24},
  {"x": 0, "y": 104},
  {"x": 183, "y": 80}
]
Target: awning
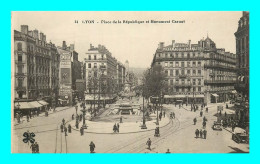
[
  {"x": 196, "y": 96},
  {"x": 234, "y": 91},
  {"x": 43, "y": 102},
  {"x": 215, "y": 95},
  {"x": 35, "y": 104},
  {"x": 23, "y": 105},
  {"x": 168, "y": 96}
]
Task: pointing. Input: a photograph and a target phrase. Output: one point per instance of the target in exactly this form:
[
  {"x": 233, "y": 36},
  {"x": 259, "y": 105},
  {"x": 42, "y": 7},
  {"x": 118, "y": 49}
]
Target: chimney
[
  {"x": 72, "y": 47},
  {"x": 64, "y": 46},
  {"x": 173, "y": 43},
  {"x": 90, "y": 46},
  {"x": 41, "y": 36},
  {"x": 24, "y": 29},
  {"x": 161, "y": 45},
  {"x": 44, "y": 37},
  {"x": 35, "y": 34},
  {"x": 189, "y": 44},
  {"x": 30, "y": 33}
]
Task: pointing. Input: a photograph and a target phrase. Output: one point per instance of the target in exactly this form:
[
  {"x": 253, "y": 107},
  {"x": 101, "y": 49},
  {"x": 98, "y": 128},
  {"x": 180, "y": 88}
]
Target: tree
[{"x": 154, "y": 81}]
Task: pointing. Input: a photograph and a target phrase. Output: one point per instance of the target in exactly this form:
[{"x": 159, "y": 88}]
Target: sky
[{"x": 136, "y": 43}]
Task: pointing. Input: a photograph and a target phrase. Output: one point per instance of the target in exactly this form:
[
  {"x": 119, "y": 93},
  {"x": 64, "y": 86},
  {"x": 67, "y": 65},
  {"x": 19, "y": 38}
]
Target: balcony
[
  {"x": 19, "y": 88},
  {"x": 182, "y": 85},
  {"x": 219, "y": 66},
  {"x": 102, "y": 67},
  {"x": 20, "y": 74},
  {"x": 182, "y": 76},
  {"x": 219, "y": 81},
  {"x": 20, "y": 62}
]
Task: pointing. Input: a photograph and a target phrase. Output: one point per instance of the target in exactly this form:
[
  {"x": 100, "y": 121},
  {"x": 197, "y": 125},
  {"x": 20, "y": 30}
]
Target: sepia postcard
[{"x": 130, "y": 82}]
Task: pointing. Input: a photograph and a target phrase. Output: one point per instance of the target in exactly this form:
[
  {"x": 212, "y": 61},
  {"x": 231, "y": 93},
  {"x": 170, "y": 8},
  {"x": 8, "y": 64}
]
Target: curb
[{"x": 122, "y": 133}]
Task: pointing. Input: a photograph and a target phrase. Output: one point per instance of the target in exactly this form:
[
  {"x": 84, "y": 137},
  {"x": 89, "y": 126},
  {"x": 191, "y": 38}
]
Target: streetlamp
[
  {"x": 84, "y": 113},
  {"x": 157, "y": 119},
  {"x": 143, "y": 126}
]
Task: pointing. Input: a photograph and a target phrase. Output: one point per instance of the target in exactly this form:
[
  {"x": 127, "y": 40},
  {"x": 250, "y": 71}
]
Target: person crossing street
[
  {"x": 149, "y": 143},
  {"x": 92, "y": 147}
]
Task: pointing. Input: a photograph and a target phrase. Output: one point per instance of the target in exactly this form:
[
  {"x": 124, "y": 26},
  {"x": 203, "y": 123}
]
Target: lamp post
[
  {"x": 157, "y": 119},
  {"x": 144, "y": 125},
  {"x": 84, "y": 113}
]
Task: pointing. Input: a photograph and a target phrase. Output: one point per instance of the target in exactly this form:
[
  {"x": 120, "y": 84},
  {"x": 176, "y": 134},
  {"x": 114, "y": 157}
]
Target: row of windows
[
  {"x": 187, "y": 81},
  {"x": 95, "y": 57},
  {"x": 193, "y": 89},
  {"x": 95, "y": 65},
  {"x": 181, "y": 64},
  {"x": 182, "y": 72},
  {"x": 178, "y": 55}
]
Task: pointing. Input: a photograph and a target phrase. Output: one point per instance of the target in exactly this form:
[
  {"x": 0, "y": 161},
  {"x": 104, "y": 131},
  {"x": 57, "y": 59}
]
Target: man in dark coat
[
  {"x": 197, "y": 133},
  {"x": 65, "y": 130},
  {"x": 92, "y": 147},
  {"x": 37, "y": 149},
  {"x": 69, "y": 128},
  {"x": 72, "y": 117},
  {"x": 61, "y": 128},
  {"x": 201, "y": 133},
  {"x": 77, "y": 124},
  {"x": 33, "y": 148},
  {"x": 149, "y": 143},
  {"x": 205, "y": 134},
  {"x": 117, "y": 127},
  {"x": 63, "y": 121},
  {"x": 82, "y": 131},
  {"x": 194, "y": 121}
]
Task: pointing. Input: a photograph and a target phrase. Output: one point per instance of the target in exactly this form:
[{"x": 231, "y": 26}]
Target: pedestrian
[
  {"x": 207, "y": 109},
  {"x": 121, "y": 119},
  {"x": 69, "y": 128},
  {"x": 163, "y": 114},
  {"x": 195, "y": 120},
  {"x": 63, "y": 121},
  {"x": 61, "y": 128},
  {"x": 160, "y": 116},
  {"x": 37, "y": 148},
  {"x": 27, "y": 118},
  {"x": 118, "y": 127},
  {"x": 72, "y": 117},
  {"x": 81, "y": 131},
  {"x": 92, "y": 147},
  {"x": 115, "y": 128},
  {"x": 30, "y": 114},
  {"x": 149, "y": 143},
  {"x": 227, "y": 106},
  {"x": 80, "y": 117},
  {"x": 168, "y": 151},
  {"x": 33, "y": 148},
  {"x": 201, "y": 133},
  {"x": 204, "y": 124},
  {"x": 201, "y": 113},
  {"x": 204, "y": 119},
  {"x": 65, "y": 130},
  {"x": 205, "y": 134},
  {"x": 173, "y": 114},
  {"x": 197, "y": 133},
  {"x": 77, "y": 124}
]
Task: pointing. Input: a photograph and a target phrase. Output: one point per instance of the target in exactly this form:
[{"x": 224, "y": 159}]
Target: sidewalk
[
  {"x": 125, "y": 127},
  {"x": 24, "y": 118}
]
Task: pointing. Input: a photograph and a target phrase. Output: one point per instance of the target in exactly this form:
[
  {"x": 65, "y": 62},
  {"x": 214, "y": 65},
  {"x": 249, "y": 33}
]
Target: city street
[{"x": 177, "y": 135}]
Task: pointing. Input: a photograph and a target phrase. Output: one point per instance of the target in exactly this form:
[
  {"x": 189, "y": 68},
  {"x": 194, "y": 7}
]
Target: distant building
[
  {"x": 104, "y": 74},
  {"x": 196, "y": 73}
]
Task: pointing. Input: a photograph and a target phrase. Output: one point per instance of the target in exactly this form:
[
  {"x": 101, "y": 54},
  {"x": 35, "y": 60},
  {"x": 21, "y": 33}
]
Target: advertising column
[{"x": 65, "y": 78}]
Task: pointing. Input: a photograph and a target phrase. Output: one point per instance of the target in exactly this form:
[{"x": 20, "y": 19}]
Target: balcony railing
[
  {"x": 19, "y": 88},
  {"x": 182, "y": 85},
  {"x": 20, "y": 74},
  {"x": 219, "y": 66},
  {"x": 219, "y": 81}
]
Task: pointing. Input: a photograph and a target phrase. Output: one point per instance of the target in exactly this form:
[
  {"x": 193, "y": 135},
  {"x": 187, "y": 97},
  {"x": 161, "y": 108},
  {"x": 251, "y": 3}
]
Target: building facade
[
  {"x": 36, "y": 66},
  {"x": 196, "y": 73},
  {"x": 242, "y": 83},
  {"x": 104, "y": 74}
]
